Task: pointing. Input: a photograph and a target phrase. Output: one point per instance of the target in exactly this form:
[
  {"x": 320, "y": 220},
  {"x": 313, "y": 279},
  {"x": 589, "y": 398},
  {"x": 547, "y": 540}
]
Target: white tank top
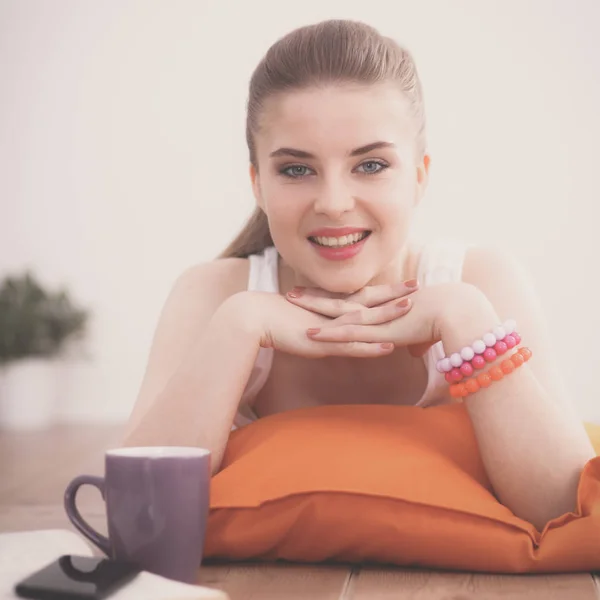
[{"x": 439, "y": 262}]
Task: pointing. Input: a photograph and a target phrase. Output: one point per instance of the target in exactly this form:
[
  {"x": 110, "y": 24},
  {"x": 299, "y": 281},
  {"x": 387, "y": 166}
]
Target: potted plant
[{"x": 37, "y": 327}]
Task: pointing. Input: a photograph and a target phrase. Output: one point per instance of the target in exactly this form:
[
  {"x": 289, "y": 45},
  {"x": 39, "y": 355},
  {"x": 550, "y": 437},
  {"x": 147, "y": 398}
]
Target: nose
[{"x": 333, "y": 200}]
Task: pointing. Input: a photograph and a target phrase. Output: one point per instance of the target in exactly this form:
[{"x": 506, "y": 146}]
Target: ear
[
  {"x": 422, "y": 178},
  {"x": 255, "y": 179}
]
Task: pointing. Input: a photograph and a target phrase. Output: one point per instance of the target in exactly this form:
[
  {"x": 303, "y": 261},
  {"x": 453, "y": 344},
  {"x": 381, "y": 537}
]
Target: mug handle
[{"x": 75, "y": 516}]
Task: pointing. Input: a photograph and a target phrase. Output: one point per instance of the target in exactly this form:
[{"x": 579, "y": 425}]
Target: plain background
[{"x": 123, "y": 158}]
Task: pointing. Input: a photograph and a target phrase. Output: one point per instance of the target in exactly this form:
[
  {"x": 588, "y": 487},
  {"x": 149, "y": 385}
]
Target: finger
[
  {"x": 373, "y": 295},
  {"x": 374, "y": 316},
  {"x": 328, "y": 307},
  {"x": 351, "y": 333},
  {"x": 356, "y": 349}
]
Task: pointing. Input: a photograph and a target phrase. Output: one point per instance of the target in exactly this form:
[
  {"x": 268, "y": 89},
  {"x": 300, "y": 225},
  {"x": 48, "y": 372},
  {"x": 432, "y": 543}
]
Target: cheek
[
  {"x": 284, "y": 205},
  {"x": 282, "y": 213},
  {"x": 395, "y": 219},
  {"x": 390, "y": 193},
  {"x": 394, "y": 210}
]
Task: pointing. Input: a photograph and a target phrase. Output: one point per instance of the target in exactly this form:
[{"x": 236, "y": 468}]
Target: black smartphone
[{"x": 77, "y": 578}]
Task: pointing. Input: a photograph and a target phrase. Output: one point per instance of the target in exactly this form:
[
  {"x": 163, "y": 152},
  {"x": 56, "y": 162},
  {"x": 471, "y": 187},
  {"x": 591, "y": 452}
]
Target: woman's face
[{"x": 335, "y": 158}]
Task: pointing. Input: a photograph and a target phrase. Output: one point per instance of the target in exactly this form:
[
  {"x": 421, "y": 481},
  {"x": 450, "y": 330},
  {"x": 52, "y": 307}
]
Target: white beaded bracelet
[{"x": 454, "y": 361}]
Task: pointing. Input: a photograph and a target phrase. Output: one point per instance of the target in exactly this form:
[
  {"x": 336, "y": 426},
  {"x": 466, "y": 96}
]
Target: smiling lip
[
  {"x": 336, "y": 231},
  {"x": 337, "y": 252}
]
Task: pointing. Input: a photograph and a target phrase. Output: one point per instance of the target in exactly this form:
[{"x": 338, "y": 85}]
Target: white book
[{"x": 22, "y": 553}]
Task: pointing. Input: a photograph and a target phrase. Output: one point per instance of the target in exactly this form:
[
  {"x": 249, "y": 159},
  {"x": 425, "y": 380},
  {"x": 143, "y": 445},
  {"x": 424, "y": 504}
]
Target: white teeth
[{"x": 344, "y": 240}]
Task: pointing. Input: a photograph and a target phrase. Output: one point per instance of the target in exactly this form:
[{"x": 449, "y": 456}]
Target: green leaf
[{"x": 35, "y": 321}]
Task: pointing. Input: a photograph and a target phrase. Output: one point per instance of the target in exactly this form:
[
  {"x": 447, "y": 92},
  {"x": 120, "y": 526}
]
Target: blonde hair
[{"x": 335, "y": 51}]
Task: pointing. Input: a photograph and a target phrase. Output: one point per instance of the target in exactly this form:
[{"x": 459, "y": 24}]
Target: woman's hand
[
  {"x": 418, "y": 329},
  {"x": 335, "y": 305},
  {"x": 282, "y": 326},
  {"x": 392, "y": 302}
]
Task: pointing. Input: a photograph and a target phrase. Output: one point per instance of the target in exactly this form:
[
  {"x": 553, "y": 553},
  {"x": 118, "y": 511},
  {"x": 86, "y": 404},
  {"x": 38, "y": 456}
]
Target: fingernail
[
  {"x": 296, "y": 292},
  {"x": 312, "y": 331},
  {"x": 411, "y": 283},
  {"x": 387, "y": 346},
  {"x": 403, "y": 303}
]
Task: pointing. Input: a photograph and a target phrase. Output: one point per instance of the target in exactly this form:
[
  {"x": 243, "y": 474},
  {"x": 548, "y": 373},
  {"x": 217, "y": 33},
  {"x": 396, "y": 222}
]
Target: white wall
[{"x": 123, "y": 160}]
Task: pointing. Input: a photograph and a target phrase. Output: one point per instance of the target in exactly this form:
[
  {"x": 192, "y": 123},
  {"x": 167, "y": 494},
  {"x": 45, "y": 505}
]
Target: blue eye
[
  {"x": 373, "y": 163},
  {"x": 369, "y": 167},
  {"x": 295, "y": 171}
]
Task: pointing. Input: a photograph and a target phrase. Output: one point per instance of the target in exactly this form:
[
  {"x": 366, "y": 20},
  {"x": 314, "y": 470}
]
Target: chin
[
  {"x": 336, "y": 277},
  {"x": 345, "y": 283}
]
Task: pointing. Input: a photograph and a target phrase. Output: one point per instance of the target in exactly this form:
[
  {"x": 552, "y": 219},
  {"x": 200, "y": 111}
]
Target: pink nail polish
[
  {"x": 312, "y": 331},
  {"x": 296, "y": 292}
]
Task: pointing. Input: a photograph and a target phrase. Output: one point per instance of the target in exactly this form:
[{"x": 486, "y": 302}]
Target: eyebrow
[{"x": 356, "y": 152}]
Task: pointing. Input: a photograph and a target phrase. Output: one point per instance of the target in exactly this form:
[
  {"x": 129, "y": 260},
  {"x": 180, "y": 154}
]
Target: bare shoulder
[
  {"x": 487, "y": 266},
  {"x": 215, "y": 280},
  {"x": 194, "y": 297}
]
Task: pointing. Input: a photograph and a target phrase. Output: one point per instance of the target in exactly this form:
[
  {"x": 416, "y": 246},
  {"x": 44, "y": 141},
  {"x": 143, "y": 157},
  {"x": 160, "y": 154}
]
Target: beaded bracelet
[
  {"x": 489, "y": 342},
  {"x": 481, "y": 360},
  {"x": 496, "y": 373}
]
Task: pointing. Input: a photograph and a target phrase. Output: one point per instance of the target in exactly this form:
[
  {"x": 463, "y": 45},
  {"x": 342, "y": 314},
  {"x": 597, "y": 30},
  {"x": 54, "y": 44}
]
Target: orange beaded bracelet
[{"x": 496, "y": 373}]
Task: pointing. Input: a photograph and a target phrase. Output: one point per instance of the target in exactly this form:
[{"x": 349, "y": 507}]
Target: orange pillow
[{"x": 385, "y": 484}]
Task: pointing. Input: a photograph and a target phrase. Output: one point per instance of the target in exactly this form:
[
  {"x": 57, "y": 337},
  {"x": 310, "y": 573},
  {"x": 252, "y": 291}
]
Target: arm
[
  {"x": 203, "y": 353},
  {"x": 198, "y": 405},
  {"x": 191, "y": 360},
  {"x": 531, "y": 440}
]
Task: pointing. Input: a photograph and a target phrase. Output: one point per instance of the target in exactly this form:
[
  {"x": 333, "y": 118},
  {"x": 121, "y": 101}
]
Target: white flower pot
[{"x": 28, "y": 394}]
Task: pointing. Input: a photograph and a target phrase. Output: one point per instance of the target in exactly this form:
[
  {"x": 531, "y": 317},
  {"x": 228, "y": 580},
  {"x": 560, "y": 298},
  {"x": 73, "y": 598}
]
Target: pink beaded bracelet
[
  {"x": 479, "y": 361},
  {"x": 482, "y": 351}
]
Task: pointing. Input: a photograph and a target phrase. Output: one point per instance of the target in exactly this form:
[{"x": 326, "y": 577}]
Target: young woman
[{"x": 324, "y": 297}]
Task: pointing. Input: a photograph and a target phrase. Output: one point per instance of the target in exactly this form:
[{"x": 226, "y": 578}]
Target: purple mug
[{"x": 157, "y": 502}]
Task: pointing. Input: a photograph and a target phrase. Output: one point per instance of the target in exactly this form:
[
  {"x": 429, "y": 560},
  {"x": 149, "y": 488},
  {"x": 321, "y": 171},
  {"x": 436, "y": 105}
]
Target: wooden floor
[{"x": 36, "y": 467}]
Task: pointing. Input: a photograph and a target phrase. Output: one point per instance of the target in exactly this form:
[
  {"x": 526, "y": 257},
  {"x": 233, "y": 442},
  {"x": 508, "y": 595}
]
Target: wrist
[
  {"x": 466, "y": 319},
  {"x": 243, "y": 313}
]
